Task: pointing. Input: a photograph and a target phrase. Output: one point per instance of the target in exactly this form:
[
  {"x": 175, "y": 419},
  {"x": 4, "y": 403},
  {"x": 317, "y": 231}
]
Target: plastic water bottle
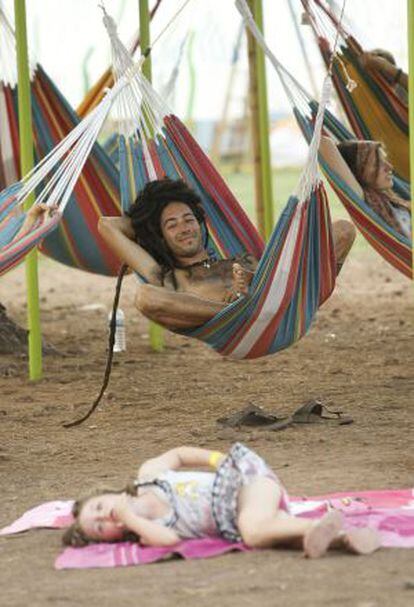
[{"x": 120, "y": 339}]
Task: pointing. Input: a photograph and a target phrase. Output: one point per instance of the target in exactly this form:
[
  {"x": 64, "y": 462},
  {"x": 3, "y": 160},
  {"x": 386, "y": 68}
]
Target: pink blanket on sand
[{"x": 391, "y": 512}]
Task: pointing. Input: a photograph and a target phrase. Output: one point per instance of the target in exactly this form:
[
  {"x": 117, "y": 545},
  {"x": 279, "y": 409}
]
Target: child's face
[
  {"x": 98, "y": 519},
  {"x": 385, "y": 176},
  {"x": 380, "y": 175}
]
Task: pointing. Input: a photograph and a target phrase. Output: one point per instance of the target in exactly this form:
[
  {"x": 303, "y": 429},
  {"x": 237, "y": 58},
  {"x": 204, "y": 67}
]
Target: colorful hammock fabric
[
  {"x": 54, "y": 179},
  {"x": 390, "y": 244},
  {"x": 296, "y": 272},
  {"x": 13, "y": 250},
  {"x": 76, "y": 241},
  {"x": 374, "y": 110}
]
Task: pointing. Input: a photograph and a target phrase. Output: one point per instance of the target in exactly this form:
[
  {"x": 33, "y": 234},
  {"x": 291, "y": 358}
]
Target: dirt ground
[{"x": 358, "y": 357}]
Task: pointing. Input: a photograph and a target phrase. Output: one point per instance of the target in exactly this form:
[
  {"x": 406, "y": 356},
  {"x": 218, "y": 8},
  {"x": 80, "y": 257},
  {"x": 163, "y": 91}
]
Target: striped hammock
[
  {"x": 296, "y": 271},
  {"x": 53, "y": 181},
  {"x": 372, "y": 107},
  {"x": 390, "y": 244},
  {"x": 76, "y": 241}
]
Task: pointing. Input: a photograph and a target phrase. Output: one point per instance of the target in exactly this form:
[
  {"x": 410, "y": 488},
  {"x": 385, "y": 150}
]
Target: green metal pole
[
  {"x": 156, "y": 332},
  {"x": 410, "y": 29},
  {"x": 144, "y": 33},
  {"x": 260, "y": 118},
  {"x": 26, "y": 164}
]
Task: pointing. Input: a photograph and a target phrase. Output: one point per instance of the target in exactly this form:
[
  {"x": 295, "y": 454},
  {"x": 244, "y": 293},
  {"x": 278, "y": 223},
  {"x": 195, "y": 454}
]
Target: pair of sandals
[{"x": 312, "y": 412}]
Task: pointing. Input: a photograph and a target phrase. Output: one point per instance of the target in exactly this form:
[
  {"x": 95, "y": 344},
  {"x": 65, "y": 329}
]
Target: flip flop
[
  {"x": 315, "y": 412},
  {"x": 254, "y": 416}
]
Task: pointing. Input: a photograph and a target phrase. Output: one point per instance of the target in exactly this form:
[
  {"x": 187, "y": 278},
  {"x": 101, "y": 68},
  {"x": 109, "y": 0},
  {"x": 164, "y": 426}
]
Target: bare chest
[{"x": 210, "y": 281}]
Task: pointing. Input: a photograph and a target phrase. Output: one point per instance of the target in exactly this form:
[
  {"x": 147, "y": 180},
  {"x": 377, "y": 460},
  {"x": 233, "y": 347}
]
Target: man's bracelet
[{"x": 214, "y": 458}]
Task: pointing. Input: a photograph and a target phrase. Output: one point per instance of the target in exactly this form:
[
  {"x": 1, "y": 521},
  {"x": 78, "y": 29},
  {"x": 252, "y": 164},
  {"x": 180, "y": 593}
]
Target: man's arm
[
  {"x": 119, "y": 235},
  {"x": 180, "y": 457}
]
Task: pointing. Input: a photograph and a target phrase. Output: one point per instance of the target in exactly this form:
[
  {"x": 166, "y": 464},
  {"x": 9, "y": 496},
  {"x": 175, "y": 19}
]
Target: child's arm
[
  {"x": 180, "y": 457},
  {"x": 119, "y": 235},
  {"x": 149, "y": 532},
  {"x": 331, "y": 155}
]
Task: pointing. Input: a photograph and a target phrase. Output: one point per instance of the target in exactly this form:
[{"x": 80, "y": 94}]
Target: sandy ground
[{"x": 358, "y": 357}]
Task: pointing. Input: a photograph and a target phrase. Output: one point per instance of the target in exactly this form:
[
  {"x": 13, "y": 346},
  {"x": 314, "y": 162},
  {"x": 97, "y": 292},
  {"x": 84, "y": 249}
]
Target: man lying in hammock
[{"x": 164, "y": 238}]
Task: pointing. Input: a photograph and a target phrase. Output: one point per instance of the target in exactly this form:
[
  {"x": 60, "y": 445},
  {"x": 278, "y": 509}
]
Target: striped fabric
[
  {"x": 373, "y": 108},
  {"x": 76, "y": 241},
  {"x": 296, "y": 272},
  {"x": 12, "y": 250},
  {"x": 390, "y": 244}
]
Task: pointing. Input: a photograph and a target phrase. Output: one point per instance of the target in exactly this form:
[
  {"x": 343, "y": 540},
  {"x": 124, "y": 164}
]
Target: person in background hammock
[
  {"x": 364, "y": 167},
  {"x": 164, "y": 239},
  {"x": 235, "y": 496},
  {"x": 382, "y": 60},
  {"x": 36, "y": 214}
]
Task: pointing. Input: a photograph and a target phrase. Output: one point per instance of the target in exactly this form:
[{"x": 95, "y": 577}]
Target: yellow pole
[
  {"x": 156, "y": 332},
  {"x": 260, "y": 127},
  {"x": 26, "y": 164}
]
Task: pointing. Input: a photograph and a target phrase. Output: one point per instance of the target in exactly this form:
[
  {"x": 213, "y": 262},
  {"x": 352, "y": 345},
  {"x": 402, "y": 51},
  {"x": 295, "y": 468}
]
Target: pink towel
[
  {"x": 391, "y": 512},
  {"x": 54, "y": 515},
  {"x": 131, "y": 553}
]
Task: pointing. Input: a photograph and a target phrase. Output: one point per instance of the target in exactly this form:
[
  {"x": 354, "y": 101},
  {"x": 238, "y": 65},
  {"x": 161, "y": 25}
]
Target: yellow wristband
[{"x": 214, "y": 458}]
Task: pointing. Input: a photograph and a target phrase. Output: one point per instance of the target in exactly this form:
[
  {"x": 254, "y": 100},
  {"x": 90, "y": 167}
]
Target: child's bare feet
[
  {"x": 241, "y": 279},
  {"x": 322, "y": 534},
  {"x": 362, "y": 540}
]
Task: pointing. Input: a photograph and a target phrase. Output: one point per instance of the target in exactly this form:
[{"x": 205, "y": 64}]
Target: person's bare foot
[
  {"x": 344, "y": 234},
  {"x": 241, "y": 279},
  {"x": 361, "y": 540},
  {"x": 322, "y": 534}
]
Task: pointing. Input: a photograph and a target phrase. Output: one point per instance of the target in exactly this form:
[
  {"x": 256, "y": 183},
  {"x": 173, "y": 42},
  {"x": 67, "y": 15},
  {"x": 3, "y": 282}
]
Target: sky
[{"x": 62, "y": 33}]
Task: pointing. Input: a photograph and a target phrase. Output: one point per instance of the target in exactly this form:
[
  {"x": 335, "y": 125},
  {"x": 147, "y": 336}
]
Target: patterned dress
[{"x": 204, "y": 504}]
